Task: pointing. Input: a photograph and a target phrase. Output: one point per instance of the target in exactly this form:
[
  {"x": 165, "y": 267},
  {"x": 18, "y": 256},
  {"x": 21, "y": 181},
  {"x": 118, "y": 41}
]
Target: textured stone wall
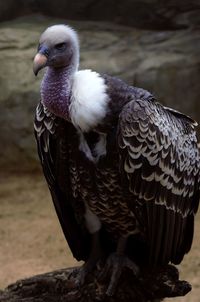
[{"x": 158, "y": 14}]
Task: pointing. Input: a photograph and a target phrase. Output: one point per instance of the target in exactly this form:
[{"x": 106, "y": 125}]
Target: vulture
[{"x": 122, "y": 169}]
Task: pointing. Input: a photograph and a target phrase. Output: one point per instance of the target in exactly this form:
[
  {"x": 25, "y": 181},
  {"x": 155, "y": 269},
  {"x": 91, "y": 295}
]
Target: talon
[
  {"x": 73, "y": 279},
  {"x": 83, "y": 273},
  {"x": 80, "y": 280},
  {"x": 95, "y": 256},
  {"x": 116, "y": 263}
]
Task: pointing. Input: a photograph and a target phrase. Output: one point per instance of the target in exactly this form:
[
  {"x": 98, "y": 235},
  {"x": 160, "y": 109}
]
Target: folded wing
[
  {"x": 160, "y": 163},
  {"x": 53, "y": 140}
]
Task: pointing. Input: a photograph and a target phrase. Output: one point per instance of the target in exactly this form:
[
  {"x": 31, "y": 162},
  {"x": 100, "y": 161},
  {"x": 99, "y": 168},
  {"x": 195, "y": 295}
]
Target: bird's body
[{"x": 116, "y": 161}]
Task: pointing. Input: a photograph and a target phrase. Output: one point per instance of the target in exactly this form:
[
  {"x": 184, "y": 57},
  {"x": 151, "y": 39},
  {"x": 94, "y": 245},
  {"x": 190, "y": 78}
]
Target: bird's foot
[
  {"x": 115, "y": 264},
  {"x": 84, "y": 271},
  {"x": 95, "y": 255}
]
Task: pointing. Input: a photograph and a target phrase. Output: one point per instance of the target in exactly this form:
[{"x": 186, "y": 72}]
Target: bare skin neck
[{"x": 56, "y": 90}]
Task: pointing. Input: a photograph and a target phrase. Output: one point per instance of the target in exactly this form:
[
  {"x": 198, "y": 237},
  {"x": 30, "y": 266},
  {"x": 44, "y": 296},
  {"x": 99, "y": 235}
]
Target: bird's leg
[
  {"x": 115, "y": 263},
  {"x": 93, "y": 224},
  {"x": 95, "y": 255}
]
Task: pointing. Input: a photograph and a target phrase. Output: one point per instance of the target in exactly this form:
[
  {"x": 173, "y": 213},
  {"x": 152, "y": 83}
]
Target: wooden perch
[{"x": 58, "y": 286}]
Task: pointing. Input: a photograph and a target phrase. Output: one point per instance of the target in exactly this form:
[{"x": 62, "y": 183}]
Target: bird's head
[{"x": 58, "y": 47}]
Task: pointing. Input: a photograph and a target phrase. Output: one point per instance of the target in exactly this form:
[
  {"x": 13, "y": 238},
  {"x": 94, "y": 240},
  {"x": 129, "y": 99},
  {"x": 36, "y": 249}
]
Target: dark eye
[{"x": 60, "y": 46}]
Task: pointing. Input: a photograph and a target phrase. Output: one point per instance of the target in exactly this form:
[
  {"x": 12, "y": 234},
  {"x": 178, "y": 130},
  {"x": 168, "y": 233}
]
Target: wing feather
[
  {"x": 160, "y": 161},
  {"x": 168, "y": 236},
  {"x": 53, "y": 136}
]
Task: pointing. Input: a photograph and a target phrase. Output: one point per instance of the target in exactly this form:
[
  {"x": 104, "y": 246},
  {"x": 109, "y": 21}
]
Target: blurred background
[{"x": 153, "y": 44}]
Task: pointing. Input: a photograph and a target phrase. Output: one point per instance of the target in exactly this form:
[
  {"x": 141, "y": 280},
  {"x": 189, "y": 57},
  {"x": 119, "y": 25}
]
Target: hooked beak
[{"x": 40, "y": 60}]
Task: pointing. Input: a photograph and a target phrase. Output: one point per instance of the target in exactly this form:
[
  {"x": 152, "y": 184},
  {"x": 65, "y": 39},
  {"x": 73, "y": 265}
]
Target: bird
[{"x": 122, "y": 169}]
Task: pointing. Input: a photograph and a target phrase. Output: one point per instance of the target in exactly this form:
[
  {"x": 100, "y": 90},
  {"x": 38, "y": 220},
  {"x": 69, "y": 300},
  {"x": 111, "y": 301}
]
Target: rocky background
[
  {"x": 156, "y": 14},
  {"x": 149, "y": 43}
]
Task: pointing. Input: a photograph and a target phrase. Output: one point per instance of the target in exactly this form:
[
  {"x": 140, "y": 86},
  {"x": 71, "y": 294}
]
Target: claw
[
  {"x": 95, "y": 256},
  {"x": 116, "y": 263},
  {"x": 83, "y": 273},
  {"x": 73, "y": 277}
]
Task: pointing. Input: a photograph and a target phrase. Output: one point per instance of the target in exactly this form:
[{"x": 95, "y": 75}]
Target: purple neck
[{"x": 56, "y": 90}]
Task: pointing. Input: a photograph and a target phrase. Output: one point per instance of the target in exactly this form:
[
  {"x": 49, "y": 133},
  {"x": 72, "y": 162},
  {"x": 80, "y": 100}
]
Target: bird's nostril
[{"x": 43, "y": 50}]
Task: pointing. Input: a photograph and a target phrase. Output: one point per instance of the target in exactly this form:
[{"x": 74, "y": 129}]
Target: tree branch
[{"x": 59, "y": 286}]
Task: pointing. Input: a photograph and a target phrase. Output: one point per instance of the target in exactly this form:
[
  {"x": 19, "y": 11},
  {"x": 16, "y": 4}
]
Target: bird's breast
[
  {"x": 93, "y": 145},
  {"x": 98, "y": 185}
]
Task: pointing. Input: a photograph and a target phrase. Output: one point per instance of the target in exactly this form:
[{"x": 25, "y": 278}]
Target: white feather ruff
[{"x": 89, "y": 100}]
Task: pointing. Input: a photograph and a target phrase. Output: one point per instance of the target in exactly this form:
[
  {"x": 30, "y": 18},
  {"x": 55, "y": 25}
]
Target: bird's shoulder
[
  {"x": 117, "y": 86},
  {"x": 167, "y": 120},
  {"x": 161, "y": 144}
]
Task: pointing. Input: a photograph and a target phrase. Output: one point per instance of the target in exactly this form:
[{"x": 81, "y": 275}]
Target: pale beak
[{"x": 39, "y": 62}]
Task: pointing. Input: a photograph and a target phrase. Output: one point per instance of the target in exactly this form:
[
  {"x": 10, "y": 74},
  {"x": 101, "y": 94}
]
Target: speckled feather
[
  {"x": 146, "y": 183},
  {"x": 160, "y": 157},
  {"x": 52, "y": 135}
]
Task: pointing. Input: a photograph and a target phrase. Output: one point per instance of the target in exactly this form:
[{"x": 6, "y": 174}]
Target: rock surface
[
  {"x": 139, "y": 13},
  {"x": 165, "y": 62}
]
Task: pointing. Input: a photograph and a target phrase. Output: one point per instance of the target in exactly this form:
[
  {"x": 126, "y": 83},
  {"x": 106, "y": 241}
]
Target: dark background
[{"x": 156, "y": 14}]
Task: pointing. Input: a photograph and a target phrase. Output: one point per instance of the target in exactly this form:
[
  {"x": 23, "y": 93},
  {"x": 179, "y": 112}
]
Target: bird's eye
[{"x": 60, "y": 46}]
